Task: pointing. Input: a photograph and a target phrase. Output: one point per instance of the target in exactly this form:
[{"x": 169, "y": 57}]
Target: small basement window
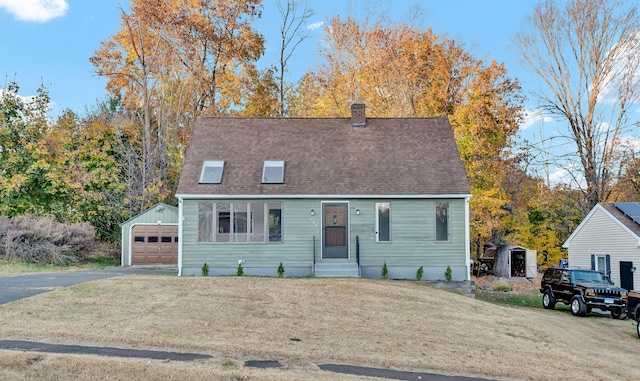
[
  {"x": 211, "y": 172},
  {"x": 273, "y": 172}
]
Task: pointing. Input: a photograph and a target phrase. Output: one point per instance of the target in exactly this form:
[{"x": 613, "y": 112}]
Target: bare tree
[
  {"x": 586, "y": 56},
  {"x": 294, "y": 16}
]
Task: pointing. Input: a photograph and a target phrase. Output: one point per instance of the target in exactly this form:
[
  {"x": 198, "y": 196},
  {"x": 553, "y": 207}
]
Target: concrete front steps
[{"x": 336, "y": 270}]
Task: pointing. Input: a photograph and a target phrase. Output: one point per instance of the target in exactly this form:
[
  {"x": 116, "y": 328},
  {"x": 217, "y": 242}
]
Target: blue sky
[
  {"x": 50, "y": 41},
  {"x": 51, "y": 44}
]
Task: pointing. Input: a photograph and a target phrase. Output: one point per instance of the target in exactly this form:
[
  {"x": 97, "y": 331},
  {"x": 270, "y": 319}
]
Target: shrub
[
  {"x": 502, "y": 287},
  {"x": 281, "y": 270},
  {"x": 205, "y": 269},
  {"x": 447, "y": 273},
  {"x": 44, "y": 240},
  {"x": 385, "y": 270},
  {"x": 240, "y": 271},
  {"x": 419, "y": 273}
]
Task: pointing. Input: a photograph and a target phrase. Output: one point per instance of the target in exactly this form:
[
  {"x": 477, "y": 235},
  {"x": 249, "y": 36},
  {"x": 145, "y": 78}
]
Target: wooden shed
[
  {"x": 515, "y": 261},
  {"x": 151, "y": 237}
]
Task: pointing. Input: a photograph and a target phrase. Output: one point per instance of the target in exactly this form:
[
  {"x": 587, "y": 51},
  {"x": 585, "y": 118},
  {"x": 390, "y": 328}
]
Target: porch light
[
  {"x": 313, "y": 212},
  {"x": 358, "y": 212}
]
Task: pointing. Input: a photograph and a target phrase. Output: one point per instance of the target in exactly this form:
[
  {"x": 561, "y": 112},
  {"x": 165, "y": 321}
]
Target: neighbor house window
[
  {"x": 239, "y": 222},
  {"x": 273, "y": 172},
  {"x": 442, "y": 221},
  {"x": 211, "y": 172},
  {"x": 601, "y": 263},
  {"x": 383, "y": 232}
]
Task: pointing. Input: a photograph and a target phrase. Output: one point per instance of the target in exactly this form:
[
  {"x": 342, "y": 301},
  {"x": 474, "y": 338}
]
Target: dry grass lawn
[{"x": 396, "y": 324}]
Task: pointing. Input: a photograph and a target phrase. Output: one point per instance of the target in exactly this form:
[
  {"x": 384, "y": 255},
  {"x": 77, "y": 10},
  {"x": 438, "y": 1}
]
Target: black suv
[{"x": 582, "y": 290}]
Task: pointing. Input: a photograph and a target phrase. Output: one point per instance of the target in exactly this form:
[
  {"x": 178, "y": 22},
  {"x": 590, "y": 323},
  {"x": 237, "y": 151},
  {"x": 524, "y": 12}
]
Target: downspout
[
  {"x": 467, "y": 237},
  {"x": 180, "y": 235},
  {"x": 358, "y": 253}
]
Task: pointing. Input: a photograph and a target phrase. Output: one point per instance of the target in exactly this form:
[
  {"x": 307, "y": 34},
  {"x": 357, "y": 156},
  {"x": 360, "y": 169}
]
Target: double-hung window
[{"x": 602, "y": 263}]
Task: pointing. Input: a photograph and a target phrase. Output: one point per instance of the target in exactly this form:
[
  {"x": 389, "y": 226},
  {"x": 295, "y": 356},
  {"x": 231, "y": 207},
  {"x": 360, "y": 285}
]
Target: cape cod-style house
[{"x": 324, "y": 197}]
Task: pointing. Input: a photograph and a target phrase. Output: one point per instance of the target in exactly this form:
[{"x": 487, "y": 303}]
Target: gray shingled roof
[{"x": 327, "y": 156}]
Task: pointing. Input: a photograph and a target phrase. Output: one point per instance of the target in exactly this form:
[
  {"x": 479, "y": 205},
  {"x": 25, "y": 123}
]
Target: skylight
[
  {"x": 211, "y": 172},
  {"x": 273, "y": 172}
]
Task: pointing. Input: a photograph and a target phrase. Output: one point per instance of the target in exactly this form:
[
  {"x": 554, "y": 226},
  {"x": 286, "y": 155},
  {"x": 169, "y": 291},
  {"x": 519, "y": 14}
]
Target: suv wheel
[
  {"x": 548, "y": 301},
  {"x": 618, "y": 314},
  {"x": 578, "y": 308},
  {"x": 638, "y": 327}
]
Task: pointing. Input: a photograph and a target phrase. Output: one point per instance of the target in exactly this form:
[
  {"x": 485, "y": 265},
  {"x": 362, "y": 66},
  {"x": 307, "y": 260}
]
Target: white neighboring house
[{"x": 608, "y": 240}]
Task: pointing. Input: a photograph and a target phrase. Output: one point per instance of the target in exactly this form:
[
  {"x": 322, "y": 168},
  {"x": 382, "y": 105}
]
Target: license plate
[{"x": 608, "y": 300}]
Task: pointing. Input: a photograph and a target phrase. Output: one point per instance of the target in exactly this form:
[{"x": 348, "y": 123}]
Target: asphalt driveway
[{"x": 18, "y": 287}]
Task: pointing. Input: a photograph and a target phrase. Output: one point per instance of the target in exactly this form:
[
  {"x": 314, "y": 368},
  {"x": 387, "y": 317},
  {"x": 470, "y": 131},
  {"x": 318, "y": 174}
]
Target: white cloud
[
  {"x": 316, "y": 25},
  {"x": 533, "y": 117},
  {"x": 624, "y": 71},
  {"x": 35, "y": 10}
]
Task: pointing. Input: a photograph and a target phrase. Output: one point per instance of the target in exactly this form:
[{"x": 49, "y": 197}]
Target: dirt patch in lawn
[
  {"x": 516, "y": 285},
  {"x": 300, "y": 322}
]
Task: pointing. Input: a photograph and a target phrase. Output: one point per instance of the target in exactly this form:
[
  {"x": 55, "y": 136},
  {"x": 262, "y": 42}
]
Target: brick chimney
[{"x": 358, "y": 119}]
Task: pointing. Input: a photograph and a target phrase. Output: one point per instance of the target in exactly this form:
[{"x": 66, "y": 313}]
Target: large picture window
[
  {"x": 239, "y": 222},
  {"x": 383, "y": 231},
  {"x": 442, "y": 221}
]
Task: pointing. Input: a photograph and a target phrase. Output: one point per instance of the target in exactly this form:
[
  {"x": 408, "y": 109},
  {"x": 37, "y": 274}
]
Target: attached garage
[{"x": 151, "y": 237}]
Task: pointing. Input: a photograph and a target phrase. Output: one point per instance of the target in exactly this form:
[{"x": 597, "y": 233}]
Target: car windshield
[{"x": 589, "y": 276}]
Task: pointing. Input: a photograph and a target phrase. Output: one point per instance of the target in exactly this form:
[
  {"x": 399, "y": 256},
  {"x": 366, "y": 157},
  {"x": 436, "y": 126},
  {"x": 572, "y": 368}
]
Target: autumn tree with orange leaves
[
  {"x": 171, "y": 61},
  {"x": 403, "y": 71}
]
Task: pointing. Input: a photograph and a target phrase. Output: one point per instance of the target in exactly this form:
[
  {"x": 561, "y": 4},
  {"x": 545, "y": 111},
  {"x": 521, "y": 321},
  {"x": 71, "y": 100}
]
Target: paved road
[{"x": 18, "y": 287}]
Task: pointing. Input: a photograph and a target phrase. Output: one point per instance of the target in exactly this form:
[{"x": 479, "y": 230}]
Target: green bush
[
  {"x": 419, "y": 273},
  {"x": 385, "y": 270},
  {"x": 205, "y": 269},
  {"x": 281, "y": 270},
  {"x": 447, "y": 273},
  {"x": 240, "y": 271}
]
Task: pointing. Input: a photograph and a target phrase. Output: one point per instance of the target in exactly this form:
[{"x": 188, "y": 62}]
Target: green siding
[
  {"x": 412, "y": 236},
  {"x": 296, "y": 248}
]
